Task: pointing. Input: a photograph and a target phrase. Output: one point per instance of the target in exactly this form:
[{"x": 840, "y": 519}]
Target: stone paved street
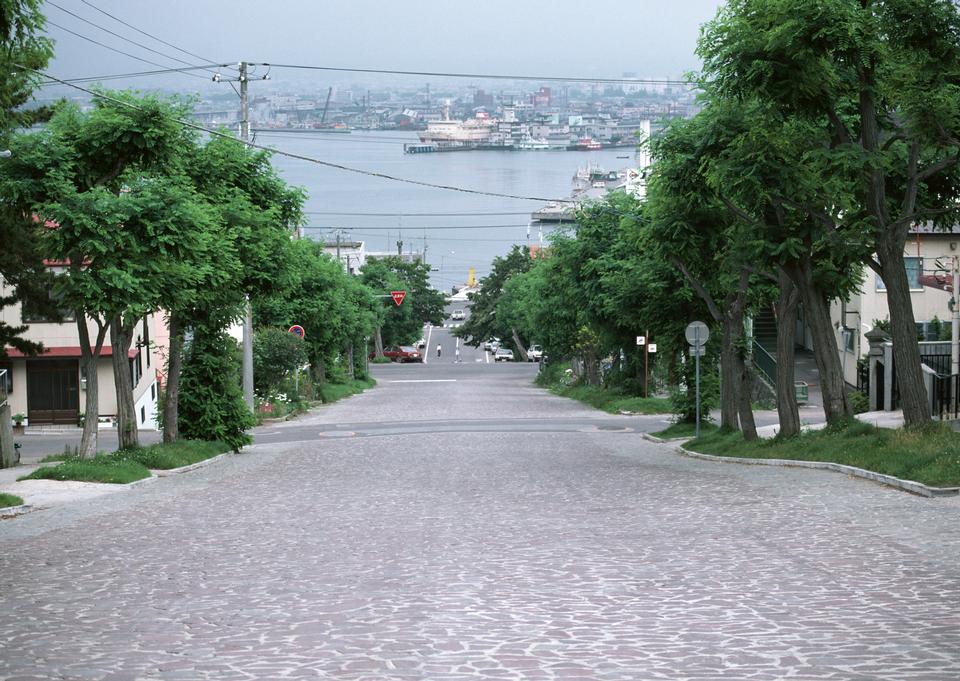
[{"x": 460, "y": 552}]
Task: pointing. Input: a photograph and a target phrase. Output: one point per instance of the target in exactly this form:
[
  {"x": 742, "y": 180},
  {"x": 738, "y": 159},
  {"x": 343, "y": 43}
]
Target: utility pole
[
  {"x": 955, "y": 335},
  {"x": 248, "y": 314}
]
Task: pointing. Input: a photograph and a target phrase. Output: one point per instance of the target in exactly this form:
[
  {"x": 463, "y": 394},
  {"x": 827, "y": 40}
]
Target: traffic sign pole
[{"x": 697, "y": 344}]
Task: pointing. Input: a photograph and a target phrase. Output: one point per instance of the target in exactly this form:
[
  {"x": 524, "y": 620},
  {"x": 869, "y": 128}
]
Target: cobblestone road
[{"x": 499, "y": 555}]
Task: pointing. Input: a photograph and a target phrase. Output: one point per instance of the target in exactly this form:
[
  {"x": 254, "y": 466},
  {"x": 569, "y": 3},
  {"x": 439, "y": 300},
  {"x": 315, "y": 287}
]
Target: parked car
[
  {"x": 456, "y": 315},
  {"x": 491, "y": 344},
  {"x": 420, "y": 344},
  {"x": 503, "y": 355},
  {"x": 534, "y": 353},
  {"x": 400, "y": 353}
]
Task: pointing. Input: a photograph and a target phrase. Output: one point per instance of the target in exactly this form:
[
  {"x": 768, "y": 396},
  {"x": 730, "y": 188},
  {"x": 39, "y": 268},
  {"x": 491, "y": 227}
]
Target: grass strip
[
  {"x": 169, "y": 455},
  {"x": 117, "y": 469},
  {"x": 7, "y": 500},
  {"x": 684, "y": 430},
  {"x": 929, "y": 454},
  {"x": 613, "y": 401},
  {"x": 331, "y": 392}
]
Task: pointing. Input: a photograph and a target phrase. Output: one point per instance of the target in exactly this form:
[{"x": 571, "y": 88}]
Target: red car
[{"x": 400, "y": 353}]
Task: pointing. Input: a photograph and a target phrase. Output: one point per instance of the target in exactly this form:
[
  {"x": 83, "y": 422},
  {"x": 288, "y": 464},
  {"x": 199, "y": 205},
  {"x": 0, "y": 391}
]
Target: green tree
[
  {"x": 276, "y": 354},
  {"x": 483, "y": 322},
  {"x": 22, "y": 44},
  {"x": 72, "y": 174},
  {"x": 401, "y": 325},
  {"x": 878, "y": 77}
]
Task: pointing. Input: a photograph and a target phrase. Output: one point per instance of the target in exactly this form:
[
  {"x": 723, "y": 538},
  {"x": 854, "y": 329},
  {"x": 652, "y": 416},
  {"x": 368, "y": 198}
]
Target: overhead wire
[
  {"x": 302, "y": 157},
  {"x": 117, "y": 35},
  {"x": 142, "y": 32},
  {"x": 485, "y": 76},
  {"x": 138, "y": 74},
  {"x": 113, "y": 49}
]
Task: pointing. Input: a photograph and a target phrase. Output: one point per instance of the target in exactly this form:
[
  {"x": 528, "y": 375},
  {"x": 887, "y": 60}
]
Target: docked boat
[
  {"x": 472, "y": 131},
  {"x": 588, "y": 144},
  {"x": 531, "y": 144}
]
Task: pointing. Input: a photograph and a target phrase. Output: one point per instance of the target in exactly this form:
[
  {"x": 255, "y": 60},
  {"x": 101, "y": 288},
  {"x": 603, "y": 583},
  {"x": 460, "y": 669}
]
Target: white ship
[{"x": 472, "y": 131}]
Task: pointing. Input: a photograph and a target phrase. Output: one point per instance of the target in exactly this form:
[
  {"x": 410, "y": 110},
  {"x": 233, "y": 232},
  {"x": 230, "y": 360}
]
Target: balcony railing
[{"x": 764, "y": 362}]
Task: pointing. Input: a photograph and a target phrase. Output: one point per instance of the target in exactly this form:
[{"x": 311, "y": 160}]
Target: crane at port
[{"x": 326, "y": 105}]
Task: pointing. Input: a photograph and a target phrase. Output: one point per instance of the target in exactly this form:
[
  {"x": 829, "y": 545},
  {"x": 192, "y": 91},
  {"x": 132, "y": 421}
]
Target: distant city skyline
[{"x": 560, "y": 39}]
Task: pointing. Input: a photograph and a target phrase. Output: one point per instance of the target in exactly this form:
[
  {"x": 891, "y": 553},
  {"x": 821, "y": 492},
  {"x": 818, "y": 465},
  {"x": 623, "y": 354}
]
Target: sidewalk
[{"x": 881, "y": 419}]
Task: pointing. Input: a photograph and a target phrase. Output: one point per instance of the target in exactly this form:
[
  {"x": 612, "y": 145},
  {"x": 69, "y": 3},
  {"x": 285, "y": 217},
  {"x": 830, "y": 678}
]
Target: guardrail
[
  {"x": 764, "y": 362},
  {"x": 3, "y": 387}
]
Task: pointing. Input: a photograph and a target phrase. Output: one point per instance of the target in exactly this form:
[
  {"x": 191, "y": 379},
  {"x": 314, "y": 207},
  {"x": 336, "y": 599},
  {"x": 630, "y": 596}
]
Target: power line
[
  {"x": 413, "y": 215},
  {"x": 136, "y": 74},
  {"x": 301, "y": 157},
  {"x": 485, "y": 76},
  {"x": 117, "y": 35},
  {"x": 114, "y": 49},
  {"x": 142, "y": 32},
  {"x": 420, "y": 228}
]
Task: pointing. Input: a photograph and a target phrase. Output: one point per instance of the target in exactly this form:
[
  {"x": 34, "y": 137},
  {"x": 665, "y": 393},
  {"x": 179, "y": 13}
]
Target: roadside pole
[
  {"x": 697, "y": 334},
  {"x": 955, "y": 330},
  {"x": 646, "y": 358},
  {"x": 697, "y": 350},
  {"x": 248, "y": 309}
]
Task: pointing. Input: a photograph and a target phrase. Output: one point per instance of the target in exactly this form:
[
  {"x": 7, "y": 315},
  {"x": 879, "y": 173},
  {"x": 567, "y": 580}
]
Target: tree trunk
[
  {"x": 591, "y": 367},
  {"x": 171, "y": 402},
  {"x": 8, "y": 453},
  {"x": 906, "y": 351},
  {"x": 351, "y": 360},
  {"x": 745, "y": 394},
  {"x": 121, "y": 337},
  {"x": 729, "y": 406},
  {"x": 817, "y": 314},
  {"x": 378, "y": 343},
  {"x": 319, "y": 372},
  {"x": 787, "y": 408},
  {"x": 88, "y": 367},
  {"x": 517, "y": 341}
]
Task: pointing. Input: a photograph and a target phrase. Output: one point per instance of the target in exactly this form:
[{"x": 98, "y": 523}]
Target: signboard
[
  {"x": 296, "y": 330},
  {"x": 652, "y": 347},
  {"x": 697, "y": 333},
  {"x": 398, "y": 296},
  {"x": 698, "y": 352},
  {"x": 641, "y": 340}
]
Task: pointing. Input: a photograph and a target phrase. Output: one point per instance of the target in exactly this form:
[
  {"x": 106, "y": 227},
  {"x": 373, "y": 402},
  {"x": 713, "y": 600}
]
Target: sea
[{"x": 457, "y": 230}]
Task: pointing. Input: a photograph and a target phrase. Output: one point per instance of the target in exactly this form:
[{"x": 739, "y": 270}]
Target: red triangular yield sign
[{"x": 398, "y": 296}]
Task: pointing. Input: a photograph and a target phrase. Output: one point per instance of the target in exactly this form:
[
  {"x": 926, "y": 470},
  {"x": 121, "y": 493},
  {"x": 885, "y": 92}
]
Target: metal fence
[{"x": 946, "y": 397}]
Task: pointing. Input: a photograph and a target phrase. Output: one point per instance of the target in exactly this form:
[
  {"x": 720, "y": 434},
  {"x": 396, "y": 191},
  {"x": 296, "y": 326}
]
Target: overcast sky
[{"x": 654, "y": 38}]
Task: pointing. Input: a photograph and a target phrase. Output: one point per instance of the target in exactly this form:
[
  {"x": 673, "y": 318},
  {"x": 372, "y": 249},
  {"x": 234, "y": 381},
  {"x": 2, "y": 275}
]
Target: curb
[
  {"x": 163, "y": 473},
  {"x": 905, "y": 485},
  {"x": 661, "y": 441},
  {"x": 11, "y": 511}
]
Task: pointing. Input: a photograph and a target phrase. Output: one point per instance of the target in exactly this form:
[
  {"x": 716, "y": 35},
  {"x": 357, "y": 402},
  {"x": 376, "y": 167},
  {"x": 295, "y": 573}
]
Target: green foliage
[
  {"x": 684, "y": 429},
  {"x": 276, "y": 353},
  {"x": 930, "y": 455},
  {"x": 684, "y": 395},
  {"x": 117, "y": 469},
  {"x": 332, "y": 392},
  {"x": 859, "y": 402},
  {"x": 8, "y": 500},
  {"x": 211, "y": 402},
  {"x": 402, "y": 325},
  {"x": 169, "y": 455},
  {"x": 611, "y": 400},
  {"x": 484, "y": 322}
]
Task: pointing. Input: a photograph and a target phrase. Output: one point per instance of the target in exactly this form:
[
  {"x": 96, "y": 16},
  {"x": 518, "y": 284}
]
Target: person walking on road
[{"x": 439, "y": 348}]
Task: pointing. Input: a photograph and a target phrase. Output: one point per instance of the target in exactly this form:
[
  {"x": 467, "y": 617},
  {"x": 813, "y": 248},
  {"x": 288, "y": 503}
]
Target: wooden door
[{"x": 53, "y": 391}]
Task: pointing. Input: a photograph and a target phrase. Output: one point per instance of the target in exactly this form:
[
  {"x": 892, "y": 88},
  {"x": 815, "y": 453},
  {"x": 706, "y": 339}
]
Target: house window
[
  {"x": 135, "y": 369},
  {"x": 34, "y": 311},
  {"x": 146, "y": 338},
  {"x": 914, "y": 267}
]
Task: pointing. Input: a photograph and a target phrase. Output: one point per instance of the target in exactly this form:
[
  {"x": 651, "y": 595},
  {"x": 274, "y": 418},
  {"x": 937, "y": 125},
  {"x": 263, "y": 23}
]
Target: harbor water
[{"x": 458, "y": 230}]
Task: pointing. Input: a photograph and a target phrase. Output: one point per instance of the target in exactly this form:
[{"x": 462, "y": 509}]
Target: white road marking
[
  {"x": 426, "y": 348},
  {"x": 426, "y": 380}
]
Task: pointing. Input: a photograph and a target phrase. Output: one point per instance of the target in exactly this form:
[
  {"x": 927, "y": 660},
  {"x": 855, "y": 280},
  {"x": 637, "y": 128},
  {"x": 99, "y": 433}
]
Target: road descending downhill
[{"x": 458, "y": 523}]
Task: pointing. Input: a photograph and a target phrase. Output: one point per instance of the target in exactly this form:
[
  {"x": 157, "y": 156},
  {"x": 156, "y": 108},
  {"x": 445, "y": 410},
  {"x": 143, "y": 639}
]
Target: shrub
[
  {"x": 211, "y": 400},
  {"x": 859, "y": 401}
]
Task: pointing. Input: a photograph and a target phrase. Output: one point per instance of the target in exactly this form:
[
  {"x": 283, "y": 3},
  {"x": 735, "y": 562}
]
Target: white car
[
  {"x": 456, "y": 315},
  {"x": 491, "y": 344},
  {"x": 534, "y": 353},
  {"x": 503, "y": 355}
]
